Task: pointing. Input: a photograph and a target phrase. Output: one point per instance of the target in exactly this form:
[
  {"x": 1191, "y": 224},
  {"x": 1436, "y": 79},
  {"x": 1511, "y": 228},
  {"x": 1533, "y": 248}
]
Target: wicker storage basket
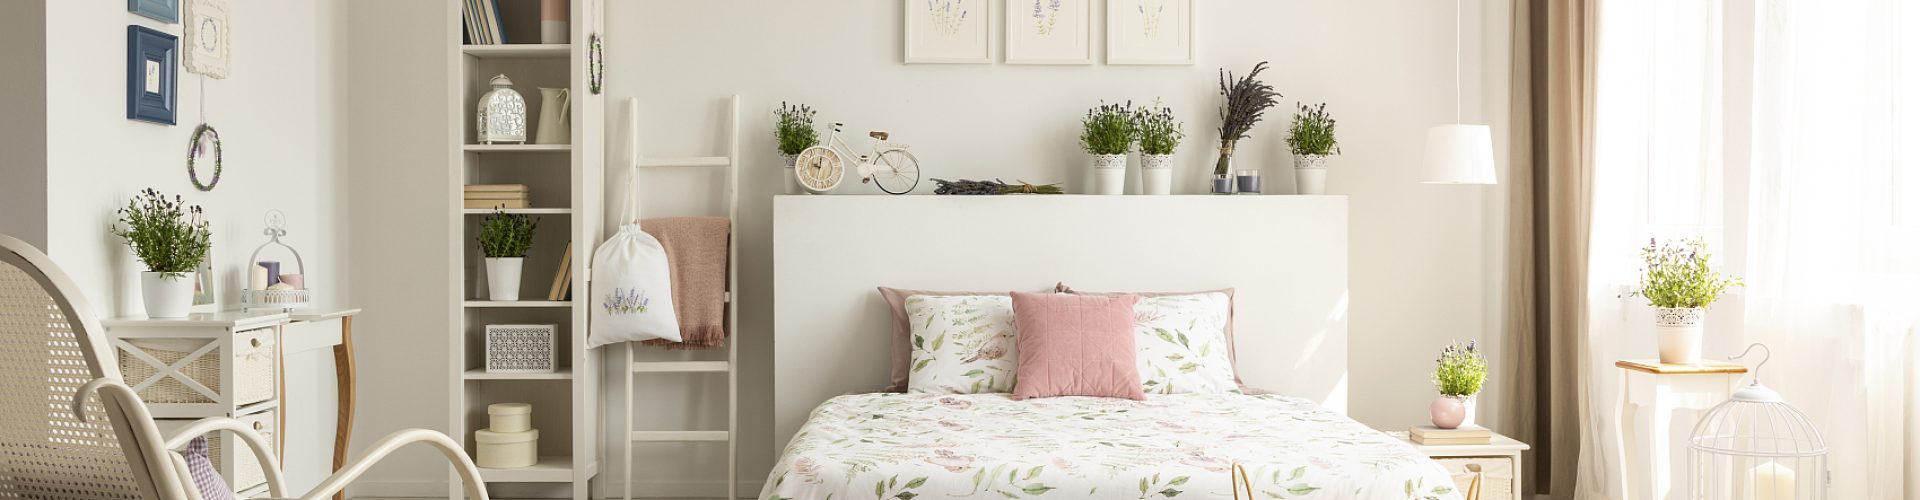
[
  {"x": 253, "y": 365},
  {"x": 244, "y": 472},
  {"x": 521, "y": 348}
]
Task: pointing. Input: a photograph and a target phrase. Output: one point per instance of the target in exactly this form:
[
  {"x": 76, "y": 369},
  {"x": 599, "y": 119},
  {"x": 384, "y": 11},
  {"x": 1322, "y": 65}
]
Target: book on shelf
[
  {"x": 483, "y": 23},
  {"x": 562, "y": 278},
  {"x": 496, "y": 203},
  {"x": 479, "y": 196},
  {"x": 495, "y": 188}
]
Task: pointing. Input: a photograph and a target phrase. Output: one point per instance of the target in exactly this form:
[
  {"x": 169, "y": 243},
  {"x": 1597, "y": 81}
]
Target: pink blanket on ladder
[{"x": 697, "y": 252}]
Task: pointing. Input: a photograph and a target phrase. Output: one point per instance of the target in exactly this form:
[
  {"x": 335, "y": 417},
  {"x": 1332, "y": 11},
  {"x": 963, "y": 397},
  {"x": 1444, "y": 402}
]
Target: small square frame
[
  {"x": 167, "y": 11},
  {"x": 153, "y": 75}
]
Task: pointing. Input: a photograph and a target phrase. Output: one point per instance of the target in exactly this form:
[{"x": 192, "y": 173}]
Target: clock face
[{"x": 818, "y": 169}]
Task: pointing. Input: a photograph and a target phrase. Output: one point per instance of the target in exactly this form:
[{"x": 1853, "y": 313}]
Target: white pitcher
[{"x": 556, "y": 117}]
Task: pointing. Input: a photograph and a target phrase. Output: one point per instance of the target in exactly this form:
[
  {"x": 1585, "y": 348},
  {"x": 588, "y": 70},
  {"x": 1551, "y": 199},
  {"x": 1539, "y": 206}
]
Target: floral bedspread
[{"x": 988, "y": 446}]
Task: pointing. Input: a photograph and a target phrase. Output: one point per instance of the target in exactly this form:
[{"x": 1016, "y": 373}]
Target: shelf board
[
  {"x": 700, "y": 161},
  {"x": 481, "y": 374},
  {"x": 679, "y": 366},
  {"x": 516, "y": 303},
  {"x": 516, "y": 148},
  {"x": 518, "y": 50},
  {"x": 678, "y": 436},
  {"x": 527, "y": 211},
  {"x": 553, "y": 469}
]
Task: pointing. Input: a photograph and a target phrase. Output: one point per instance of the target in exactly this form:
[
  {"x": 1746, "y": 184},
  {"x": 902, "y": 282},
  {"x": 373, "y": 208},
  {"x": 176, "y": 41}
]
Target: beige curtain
[{"x": 1550, "y": 209}]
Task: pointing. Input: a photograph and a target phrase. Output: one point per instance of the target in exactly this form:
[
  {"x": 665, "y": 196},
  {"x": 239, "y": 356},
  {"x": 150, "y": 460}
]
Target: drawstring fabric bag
[{"x": 632, "y": 284}]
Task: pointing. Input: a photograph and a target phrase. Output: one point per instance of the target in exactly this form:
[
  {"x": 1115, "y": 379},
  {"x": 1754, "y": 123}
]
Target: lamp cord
[{"x": 1456, "y": 62}]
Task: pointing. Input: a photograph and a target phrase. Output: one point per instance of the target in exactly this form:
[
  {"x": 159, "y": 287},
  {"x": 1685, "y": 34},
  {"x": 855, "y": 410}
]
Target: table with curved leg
[{"x": 333, "y": 328}]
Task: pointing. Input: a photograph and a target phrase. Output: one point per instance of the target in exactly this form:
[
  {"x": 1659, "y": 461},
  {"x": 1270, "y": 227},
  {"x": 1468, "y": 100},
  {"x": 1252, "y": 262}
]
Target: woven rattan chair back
[{"x": 50, "y": 346}]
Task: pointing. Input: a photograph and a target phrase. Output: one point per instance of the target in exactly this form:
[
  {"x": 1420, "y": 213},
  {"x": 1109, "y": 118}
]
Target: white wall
[
  {"x": 281, "y": 116},
  {"x": 1423, "y": 258},
  {"x": 23, "y": 171}
]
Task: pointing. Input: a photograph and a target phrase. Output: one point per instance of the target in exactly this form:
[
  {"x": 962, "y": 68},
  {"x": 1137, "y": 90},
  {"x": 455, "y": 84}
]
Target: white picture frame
[
  {"x": 948, "y": 31},
  {"x": 1150, "y": 32},
  {"x": 209, "y": 39},
  {"x": 1049, "y": 31}
]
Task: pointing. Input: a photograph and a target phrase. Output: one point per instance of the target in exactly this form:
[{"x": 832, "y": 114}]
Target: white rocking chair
[{"x": 70, "y": 429}]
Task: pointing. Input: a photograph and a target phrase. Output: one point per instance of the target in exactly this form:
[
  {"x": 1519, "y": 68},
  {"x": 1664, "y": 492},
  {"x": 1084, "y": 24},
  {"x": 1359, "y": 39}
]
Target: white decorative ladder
[{"x": 731, "y": 366}]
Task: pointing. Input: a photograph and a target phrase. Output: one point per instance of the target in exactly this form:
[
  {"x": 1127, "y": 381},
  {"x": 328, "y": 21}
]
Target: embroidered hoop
[{"x": 194, "y": 152}]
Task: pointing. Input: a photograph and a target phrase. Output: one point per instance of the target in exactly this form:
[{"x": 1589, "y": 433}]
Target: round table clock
[{"x": 818, "y": 170}]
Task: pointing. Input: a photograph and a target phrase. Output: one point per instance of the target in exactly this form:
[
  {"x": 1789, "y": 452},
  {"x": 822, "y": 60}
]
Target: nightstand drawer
[{"x": 1497, "y": 481}]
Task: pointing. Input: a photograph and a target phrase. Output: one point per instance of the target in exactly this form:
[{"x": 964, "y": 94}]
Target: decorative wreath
[
  {"x": 194, "y": 152},
  {"x": 595, "y": 64}
]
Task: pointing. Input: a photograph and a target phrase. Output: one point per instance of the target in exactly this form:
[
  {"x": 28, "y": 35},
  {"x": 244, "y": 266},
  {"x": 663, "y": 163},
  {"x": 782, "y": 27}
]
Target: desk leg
[
  {"x": 1622, "y": 436},
  {"x": 343, "y": 374}
]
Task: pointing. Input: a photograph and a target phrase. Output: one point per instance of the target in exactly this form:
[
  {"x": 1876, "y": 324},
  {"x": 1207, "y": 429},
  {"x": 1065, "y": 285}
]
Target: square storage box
[
  {"x": 250, "y": 355},
  {"x": 521, "y": 348}
]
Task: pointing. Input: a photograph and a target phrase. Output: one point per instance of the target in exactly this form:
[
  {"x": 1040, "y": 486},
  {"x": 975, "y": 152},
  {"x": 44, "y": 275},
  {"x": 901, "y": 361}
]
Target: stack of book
[
  {"x": 496, "y": 196},
  {"x": 1466, "y": 434},
  {"x": 483, "y": 22}
]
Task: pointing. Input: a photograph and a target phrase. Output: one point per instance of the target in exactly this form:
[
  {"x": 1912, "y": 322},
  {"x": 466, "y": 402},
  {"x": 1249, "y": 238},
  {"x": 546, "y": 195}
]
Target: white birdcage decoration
[
  {"x": 1755, "y": 446},
  {"x": 502, "y": 114}
]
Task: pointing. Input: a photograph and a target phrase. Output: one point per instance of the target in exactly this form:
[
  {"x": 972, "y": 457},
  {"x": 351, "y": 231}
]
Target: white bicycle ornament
[{"x": 888, "y": 166}]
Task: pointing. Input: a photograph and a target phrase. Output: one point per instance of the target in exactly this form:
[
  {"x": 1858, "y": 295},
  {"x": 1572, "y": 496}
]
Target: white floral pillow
[
  {"x": 962, "y": 345},
  {"x": 1181, "y": 344}
]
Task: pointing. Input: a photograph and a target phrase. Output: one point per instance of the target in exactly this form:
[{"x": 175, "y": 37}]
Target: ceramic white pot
[
  {"x": 167, "y": 296},
  {"x": 1310, "y": 174},
  {"x": 556, "y": 117},
  {"x": 1156, "y": 174},
  {"x": 1109, "y": 174},
  {"x": 1681, "y": 331},
  {"x": 793, "y": 182},
  {"x": 503, "y": 278}
]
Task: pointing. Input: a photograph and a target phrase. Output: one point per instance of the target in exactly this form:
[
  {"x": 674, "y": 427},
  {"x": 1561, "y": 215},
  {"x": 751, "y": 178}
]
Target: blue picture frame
[
  {"x": 153, "y": 77},
  {"x": 158, "y": 10}
]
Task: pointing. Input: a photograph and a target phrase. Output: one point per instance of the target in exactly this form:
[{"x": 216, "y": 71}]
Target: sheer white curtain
[{"x": 1782, "y": 131}]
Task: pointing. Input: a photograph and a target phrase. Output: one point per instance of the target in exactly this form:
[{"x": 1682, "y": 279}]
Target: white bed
[{"x": 908, "y": 446}]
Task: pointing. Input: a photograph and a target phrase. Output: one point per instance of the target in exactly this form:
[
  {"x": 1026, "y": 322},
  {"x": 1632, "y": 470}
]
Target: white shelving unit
[
  {"x": 565, "y": 187},
  {"x": 637, "y": 368}
]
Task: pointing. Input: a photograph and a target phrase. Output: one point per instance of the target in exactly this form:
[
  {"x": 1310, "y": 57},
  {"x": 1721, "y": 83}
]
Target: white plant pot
[
  {"x": 1109, "y": 174},
  {"x": 1469, "y": 402},
  {"x": 1310, "y": 174},
  {"x": 1681, "y": 330},
  {"x": 1156, "y": 174},
  {"x": 167, "y": 296},
  {"x": 503, "y": 278},
  {"x": 793, "y": 182}
]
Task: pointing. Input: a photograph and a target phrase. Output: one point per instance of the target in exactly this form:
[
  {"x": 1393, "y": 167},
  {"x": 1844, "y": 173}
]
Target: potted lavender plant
[
  {"x": 1246, "y": 100},
  {"x": 1680, "y": 282},
  {"x": 1107, "y": 133},
  {"x": 1311, "y": 141},
  {"x": 793, "y": 126},
  {"x": 1160, "y": 135},
  {"x": 1461, "y": 372},
  {"x": 171, "y": 238}
]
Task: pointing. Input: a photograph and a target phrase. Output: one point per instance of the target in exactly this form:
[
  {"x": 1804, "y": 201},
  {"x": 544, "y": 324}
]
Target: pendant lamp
[{"x": 1458, "y": 153}]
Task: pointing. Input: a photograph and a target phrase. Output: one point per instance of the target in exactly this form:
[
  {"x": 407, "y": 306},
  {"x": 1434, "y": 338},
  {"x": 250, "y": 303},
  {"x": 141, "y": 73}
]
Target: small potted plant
[
  {"x": 1160, "y": 135},
  {"x": 1311, "y": 140},
  {"x": 1680, "y": 282},
  {"x": 1461, "y": 372},
  {"x": 172, "y": 239},
  {"x": 504, "y": 239},
  {"x": 1107, "y": 133},
  {"x": 794, "y": 129},
  {"x": 1246, "y": 99}
]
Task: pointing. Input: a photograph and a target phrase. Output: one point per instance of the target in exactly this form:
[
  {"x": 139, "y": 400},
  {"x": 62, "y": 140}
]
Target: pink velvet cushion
[{"x": 1075, "y": 345}]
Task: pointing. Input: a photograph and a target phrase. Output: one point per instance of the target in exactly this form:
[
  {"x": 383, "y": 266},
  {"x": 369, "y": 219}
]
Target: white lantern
[
  {"x": 502, "y": 114},
  {"x": 1756, "y": 446}
]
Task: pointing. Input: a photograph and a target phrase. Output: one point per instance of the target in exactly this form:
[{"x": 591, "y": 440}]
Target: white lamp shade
[{"x": 1459, "y": 154}]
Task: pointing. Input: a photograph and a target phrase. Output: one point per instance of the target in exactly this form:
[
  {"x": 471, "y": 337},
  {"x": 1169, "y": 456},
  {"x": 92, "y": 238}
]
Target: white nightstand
[{"x": 1497, "y": 463}]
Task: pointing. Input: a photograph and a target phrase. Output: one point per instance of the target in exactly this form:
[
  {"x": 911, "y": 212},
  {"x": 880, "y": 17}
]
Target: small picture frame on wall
[
  {"x": 209, "y": 35},
  {"x": 152, "y": 75},
  {"x": 949, "y": 31},
  {"x": 1150, "y": 32},
  {"x": 159, "y": 10},
  {"x": 1049, "y": 32}
]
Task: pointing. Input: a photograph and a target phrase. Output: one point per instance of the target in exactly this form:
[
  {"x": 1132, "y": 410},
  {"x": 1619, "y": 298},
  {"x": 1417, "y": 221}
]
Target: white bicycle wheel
[
  {"x": 818, "y": 169},
  {"x": 899, "y": 171}
]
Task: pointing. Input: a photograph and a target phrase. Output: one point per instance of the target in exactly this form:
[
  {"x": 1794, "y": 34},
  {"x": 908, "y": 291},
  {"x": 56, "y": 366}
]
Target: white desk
[{"x": 1646, "y": 455}]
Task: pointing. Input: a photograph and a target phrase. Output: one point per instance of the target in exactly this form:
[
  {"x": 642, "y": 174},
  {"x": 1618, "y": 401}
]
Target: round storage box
[
  {"x": 509, "y": 417},
  {"x": 506, "y": 450}
]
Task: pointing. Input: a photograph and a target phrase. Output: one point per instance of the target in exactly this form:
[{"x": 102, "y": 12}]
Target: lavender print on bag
[{"x": 625, "y": 301}]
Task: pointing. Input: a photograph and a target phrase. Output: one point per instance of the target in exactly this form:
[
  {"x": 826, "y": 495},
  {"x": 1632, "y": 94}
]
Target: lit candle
[{"x": 1771, "y": 481}]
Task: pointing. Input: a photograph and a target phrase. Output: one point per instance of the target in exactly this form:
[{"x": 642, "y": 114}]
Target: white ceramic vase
[
  {"x": 503, "y": 278},
  {"x": 1681, "y": 331},
  {"x": 1156, "y": 174},
  {"x": 1110, "y": 174},
  {"x": 1310, "y": 174},
  {"x": 556, "y": 117},
  {"x": 793, "y": 182},
  {"x": 167, "y": 296}
]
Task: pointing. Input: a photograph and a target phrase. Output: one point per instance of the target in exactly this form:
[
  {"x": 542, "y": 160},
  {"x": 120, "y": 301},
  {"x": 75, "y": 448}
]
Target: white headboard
[{"x": 1286, "y": 256}]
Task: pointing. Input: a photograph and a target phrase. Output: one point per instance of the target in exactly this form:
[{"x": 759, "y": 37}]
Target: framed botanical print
[
  {"x": 1150, "y": 31},
  {"x": 949, "y": 31},
  {"x": 152, "y": 77},
  {"x": 158, "y": 10},
  {"x": 209, "y": 37},
  {"x": 1049, "y": 32}
]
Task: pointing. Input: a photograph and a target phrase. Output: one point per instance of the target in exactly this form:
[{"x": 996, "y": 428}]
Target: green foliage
[
  {"x": 1680, "y": 275},
  {"x": 1312, "y": 132},
  {"x": 506, "y": 235},
  {"x": 1108, "y": 129},
  {"x": 1461, "y": 371},
  {"x": 167, "y": 235},
  {"x": 795, "y": 128},
  {"x": 1159, "y": 133}
]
